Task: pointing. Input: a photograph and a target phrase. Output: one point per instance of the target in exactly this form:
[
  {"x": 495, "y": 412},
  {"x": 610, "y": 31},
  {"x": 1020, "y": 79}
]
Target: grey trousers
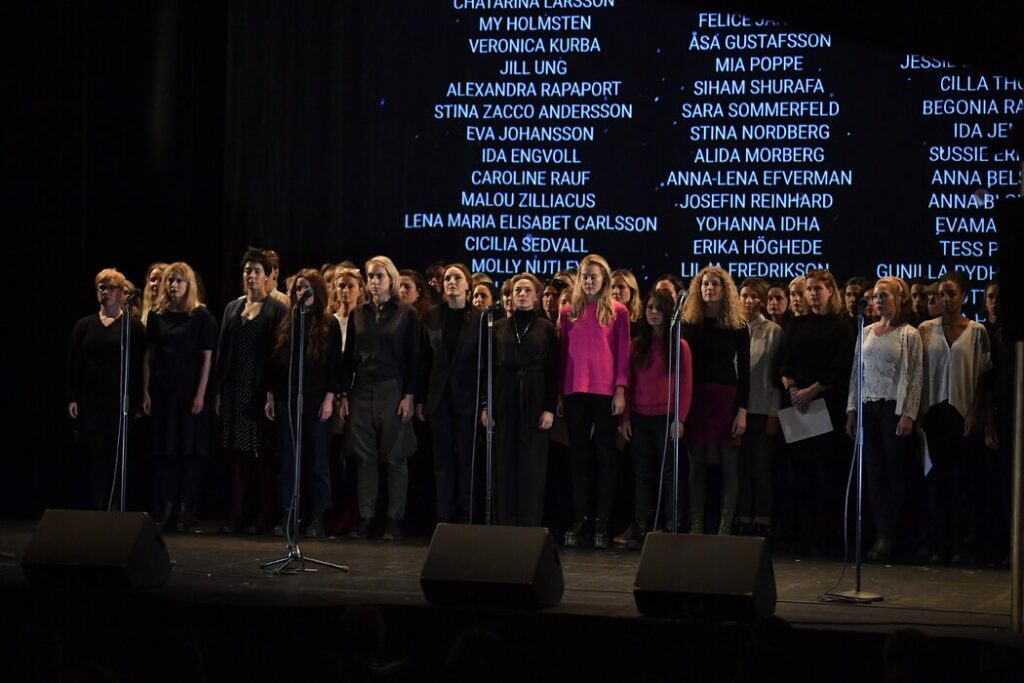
[{"x": 379, "y": 435}]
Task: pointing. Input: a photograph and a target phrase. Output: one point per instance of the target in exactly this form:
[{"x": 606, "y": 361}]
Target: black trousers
[
  {"x": 452, "y": 440},
  {"x": 520, "y": 468},
  {"x": 946, "y": 485},
  {"x": 316, "y": 445},
  {"x": 885, "y": 456},
  {"x": 651, "y": 451},
  {"x": 586, "y": 413},
  {"x": 756, "y": 492},
  {"x": 820, "y": 465}
]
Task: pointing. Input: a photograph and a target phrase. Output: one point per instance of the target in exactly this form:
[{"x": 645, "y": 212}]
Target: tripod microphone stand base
[
  {"x": 852, "y": 597},
  {"x": 295, "y": 557}
]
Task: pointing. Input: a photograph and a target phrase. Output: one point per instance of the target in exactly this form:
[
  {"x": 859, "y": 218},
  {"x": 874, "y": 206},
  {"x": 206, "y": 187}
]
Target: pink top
[
  {"x": 652, "y": 391},
  {"x": 594, "y": 357}
]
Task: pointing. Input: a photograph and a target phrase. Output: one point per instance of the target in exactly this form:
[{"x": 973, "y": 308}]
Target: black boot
[
  {"x": 601, "y": 534},
  {"x": 574, "y": 535},
  {"x": 637, "y": 542}
]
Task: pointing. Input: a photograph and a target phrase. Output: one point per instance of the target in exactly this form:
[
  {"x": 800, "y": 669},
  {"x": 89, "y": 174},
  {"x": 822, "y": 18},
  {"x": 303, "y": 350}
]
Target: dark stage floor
[{"x": 222, "y": 572}]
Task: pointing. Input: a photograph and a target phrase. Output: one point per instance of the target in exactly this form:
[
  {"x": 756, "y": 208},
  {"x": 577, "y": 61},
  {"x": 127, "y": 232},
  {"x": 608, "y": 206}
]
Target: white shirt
[
  {"x": 344, "y": 329},
  {"x": 765, "y": 337},
  {"x": 893, "y": 369},
  {"x": 952, "y": 372}
]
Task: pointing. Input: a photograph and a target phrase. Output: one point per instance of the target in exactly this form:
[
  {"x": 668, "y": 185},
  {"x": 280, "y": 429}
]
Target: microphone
[
  {"x": 130, "y": 294},
  {"x": 304, "y": 297},
  {"x": 680, "y": 300},
  {"x": 862, "y": 305}
]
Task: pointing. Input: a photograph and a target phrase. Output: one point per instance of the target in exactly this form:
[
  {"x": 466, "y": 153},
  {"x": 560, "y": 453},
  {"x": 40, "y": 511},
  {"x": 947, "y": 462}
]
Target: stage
[{"x": 216, "y": 587}]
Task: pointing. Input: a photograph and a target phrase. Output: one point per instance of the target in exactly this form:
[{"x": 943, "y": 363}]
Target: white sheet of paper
[
  {"x": 797, "y": 426},
  {"x": 926, "y": 457}
]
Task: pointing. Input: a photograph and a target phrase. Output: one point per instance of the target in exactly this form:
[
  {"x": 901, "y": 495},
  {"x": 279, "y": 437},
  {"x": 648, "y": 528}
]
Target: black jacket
[{"x": 459, "y": 373}]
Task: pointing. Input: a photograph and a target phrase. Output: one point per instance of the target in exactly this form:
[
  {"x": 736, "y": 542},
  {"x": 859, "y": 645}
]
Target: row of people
[{"x": 373, "y": 362}]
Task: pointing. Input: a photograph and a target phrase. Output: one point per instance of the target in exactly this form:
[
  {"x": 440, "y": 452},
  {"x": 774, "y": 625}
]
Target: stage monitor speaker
[
  {"x": 87, "y": 548},
  {"x": 707, "y": 578},
  {"x": 492, "y": 566}
]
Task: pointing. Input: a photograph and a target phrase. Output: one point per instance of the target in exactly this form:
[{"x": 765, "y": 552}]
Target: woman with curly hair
[
  {"x": 594, "y": 348},
  {"x": 715, "y": 329},
  {"x": 180, "y": 339},
  {"x": 320, "y": 375}
]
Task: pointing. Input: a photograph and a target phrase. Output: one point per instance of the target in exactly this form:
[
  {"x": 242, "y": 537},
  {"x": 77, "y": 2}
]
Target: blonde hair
[
  {"x": 730, "y": 313},
  {"x": 192, "y": 302},
  {"x": 605, "y": 307},
  {"x": 111, "y": 275},
  {"x": 148, "y": 298},
  {"x": 388, "y": 265},
  {"x": 901, "y": 291},
  {"x": 635, "y": 305},
  {"x": 835, "y": 304},
  {"x": 346, "y": 269}
]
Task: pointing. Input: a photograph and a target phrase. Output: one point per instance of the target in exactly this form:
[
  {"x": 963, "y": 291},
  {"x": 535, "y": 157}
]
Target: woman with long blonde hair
[
  {"x": 154, "y": 274},
  {"x": 715, "y": 329},
  {"x": 180, "y": 339},
  {"x": 593, "y": 336}
]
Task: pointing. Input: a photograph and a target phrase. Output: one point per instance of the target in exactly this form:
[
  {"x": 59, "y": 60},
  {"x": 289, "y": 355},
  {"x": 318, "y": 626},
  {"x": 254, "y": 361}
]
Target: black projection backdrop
[{"x": 156, "y": 130}]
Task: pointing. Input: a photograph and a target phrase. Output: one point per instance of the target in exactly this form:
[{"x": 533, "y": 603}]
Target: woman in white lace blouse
[{"x": 893, "y": 375}]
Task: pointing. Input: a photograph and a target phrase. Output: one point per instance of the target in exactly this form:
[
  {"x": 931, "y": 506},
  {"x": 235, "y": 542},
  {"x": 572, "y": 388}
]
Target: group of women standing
[{"x": 584, "y": 349}]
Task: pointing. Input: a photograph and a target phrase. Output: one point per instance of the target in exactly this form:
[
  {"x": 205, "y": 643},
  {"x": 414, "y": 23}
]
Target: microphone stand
[
  {"x": 857, "y": 596},
  {"x": 293, "y": 553},
  {"x": 489, "y": 449},
  {"x": 120, "y": 459},
  {"x": 676, "y": 340}
]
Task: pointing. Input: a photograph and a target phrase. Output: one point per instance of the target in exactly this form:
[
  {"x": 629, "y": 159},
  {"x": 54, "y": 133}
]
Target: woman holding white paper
[
  {"x": 814, "y": 364},
  {"x": 891, "y": 352}
]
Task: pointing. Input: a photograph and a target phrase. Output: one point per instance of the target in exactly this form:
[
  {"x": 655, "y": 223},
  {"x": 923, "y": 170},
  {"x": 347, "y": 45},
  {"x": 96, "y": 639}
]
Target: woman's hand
[
  {"x": 970, "y": 422},
  {"x": 626, "y": 429},
  {"x": 851, "y": 424},
  {"x": 421, "y": 412},
  {"x": 73, "y": 410},
  {"x": 801, "y": 398},
  {"x": 343, "y": 407},
  {"x": 905, "y": 427},
  {"x": 197, "y": 404},
  {"x": 675, "y": 431},
  {"x": 147, "y": 403},
  {"x": 619, "y": 401},
  {"x": 547, "y": 418},
  {"x": 739, "y": 423},
  {"x": 483, "y": 418},
  {"x": 405, "y": 408},
  {"x": 268, "y": 408},
  {"x": 327, "y": 408}
]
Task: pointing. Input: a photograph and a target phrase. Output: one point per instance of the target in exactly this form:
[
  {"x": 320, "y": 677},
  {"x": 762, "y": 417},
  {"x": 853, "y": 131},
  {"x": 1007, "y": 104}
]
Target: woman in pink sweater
[
  {"x": 593, "y": 335},
  {"x": 647, "y": 421}
]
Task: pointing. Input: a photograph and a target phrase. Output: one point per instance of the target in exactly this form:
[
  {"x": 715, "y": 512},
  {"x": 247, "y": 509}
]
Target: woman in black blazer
[{"x": 446, "y": 394}]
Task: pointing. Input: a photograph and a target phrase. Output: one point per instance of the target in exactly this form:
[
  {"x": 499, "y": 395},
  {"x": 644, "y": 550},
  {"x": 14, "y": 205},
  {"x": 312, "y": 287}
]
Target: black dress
[
  {"x": 178, "y": 340},
  {"x": 525, "y": 377},
  {"x": 243, "y": 360},
  {"x": 181, "y": 440},
  {"x": 94, "y": 383}
]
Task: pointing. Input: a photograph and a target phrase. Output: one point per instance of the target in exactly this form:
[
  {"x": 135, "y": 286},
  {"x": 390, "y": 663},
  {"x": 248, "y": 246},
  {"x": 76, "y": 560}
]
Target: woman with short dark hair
[
  {"x": 957, "y": 361},
  {"x": 242, "y": 377}
]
